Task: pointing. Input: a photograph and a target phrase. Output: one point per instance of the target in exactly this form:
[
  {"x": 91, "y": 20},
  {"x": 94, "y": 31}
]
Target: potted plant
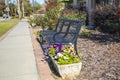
[{"x": 65, "y": 59}]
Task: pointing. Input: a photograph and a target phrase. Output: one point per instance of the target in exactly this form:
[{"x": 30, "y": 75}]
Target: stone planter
[{"x": 68, "y": 69}]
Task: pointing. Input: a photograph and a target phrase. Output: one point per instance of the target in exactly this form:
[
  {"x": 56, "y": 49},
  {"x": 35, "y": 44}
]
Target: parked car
[{"x": 5, "y": 16}]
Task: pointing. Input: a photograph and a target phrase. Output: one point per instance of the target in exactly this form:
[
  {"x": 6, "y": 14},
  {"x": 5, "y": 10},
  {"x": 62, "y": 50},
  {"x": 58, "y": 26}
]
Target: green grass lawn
[{"x": 7, "y": 25}]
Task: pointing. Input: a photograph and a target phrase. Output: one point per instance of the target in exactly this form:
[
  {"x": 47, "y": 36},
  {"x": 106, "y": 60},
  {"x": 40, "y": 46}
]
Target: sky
[{"x": 39, "y": 1}]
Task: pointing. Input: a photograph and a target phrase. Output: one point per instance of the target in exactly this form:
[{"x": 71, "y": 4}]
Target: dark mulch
[{"x": 101, "y": 57}]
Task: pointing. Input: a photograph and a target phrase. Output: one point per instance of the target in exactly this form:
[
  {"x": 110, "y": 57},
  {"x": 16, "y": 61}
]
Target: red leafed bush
[
  {"x": 118, "y": 15},
  {"x": 107, "y": 19}
]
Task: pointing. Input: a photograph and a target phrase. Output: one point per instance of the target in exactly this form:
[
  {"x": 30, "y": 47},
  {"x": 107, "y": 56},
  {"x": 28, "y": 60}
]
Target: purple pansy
[
  {"x": 48, "y": 47},
  {"x": 55, "y": 45},
  {"x": 59, "y": 47}
]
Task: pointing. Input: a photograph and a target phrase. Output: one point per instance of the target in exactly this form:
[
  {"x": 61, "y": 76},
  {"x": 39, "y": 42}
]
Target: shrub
[
  {"x": 85, "y": 33},
  {"x": 107, "y": 19},
  {"x": 72, "y": 14},
  {"x": 52, "y": 14},
  {"x": 36, "y": 20},
  {"x": 30, "y": 20},
  {"x": 37, "y": 33}
]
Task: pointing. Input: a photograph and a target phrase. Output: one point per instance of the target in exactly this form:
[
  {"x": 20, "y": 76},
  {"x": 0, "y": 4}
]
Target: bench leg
[
  {"x": 75, "y": 46},
  {"x": 41, "y": 40}
]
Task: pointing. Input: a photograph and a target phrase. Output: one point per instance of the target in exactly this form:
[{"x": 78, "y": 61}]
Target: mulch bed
[{"x": 101, "y": 57}]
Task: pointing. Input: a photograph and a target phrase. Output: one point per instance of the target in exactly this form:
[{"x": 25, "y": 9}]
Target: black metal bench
[
  {"x": 65, "y": 32},
  {"x": 58, "y": 28}
]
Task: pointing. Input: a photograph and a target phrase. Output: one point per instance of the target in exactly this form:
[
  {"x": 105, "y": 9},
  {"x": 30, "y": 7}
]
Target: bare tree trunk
[
  {"x": 33, "y": 5},
  {"x": 23, "y": 12},
  {"x": 19, "y": 11}
]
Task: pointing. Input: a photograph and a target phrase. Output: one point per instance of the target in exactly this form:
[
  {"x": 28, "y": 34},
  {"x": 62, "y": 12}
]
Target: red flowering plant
[
  {"x": 107, "y": 19},
  {"x": 63, "y": 54},
  {"x": 118, "y": 25},
  {"x": 118, "y": 15}
]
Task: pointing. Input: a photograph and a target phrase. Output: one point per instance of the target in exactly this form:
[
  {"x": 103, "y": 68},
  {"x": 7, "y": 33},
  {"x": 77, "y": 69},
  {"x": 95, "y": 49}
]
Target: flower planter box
[{"x": 68, "y": 69}]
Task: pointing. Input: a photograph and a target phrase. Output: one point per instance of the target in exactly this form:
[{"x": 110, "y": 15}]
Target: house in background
[
  {"x": 76, "y": 4},
  {"x": 90, "y": 6}
]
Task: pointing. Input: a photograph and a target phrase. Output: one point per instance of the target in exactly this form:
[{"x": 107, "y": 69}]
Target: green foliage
[
  {"x": 67, "y": 1},
  {"x": 12, "y": 9},
  {"x": 27, "y": 7},
  {"x": 68, "y": 59},
  {"x": 85, "y": 33},
  {"x": 2, "y": 6},
  {"x": 51, "y": 17},
  {"x": 71, "y": 14},
  {"x": 54, "y": 11},
  {"x": 31, "y": 21},
  {"x": 52, "y": 51},
  {"x": 52, "y": 14},
  {"x": 36, "y": 20},
  {"x": 106, "y": 19},
  {"x": 6, "y": 25},
  {"x": 37, "y": 33}
]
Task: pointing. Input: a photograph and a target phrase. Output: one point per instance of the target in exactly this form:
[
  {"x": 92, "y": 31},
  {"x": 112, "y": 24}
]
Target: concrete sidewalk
[{"x": 17, "y": 61}]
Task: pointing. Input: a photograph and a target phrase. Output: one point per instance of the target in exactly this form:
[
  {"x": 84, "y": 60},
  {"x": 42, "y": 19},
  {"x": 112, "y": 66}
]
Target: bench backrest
[
  {"x": 59, "y": 25},
  {"x": 70, "y": 28},
  {"x": 63, "y": 24}
]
